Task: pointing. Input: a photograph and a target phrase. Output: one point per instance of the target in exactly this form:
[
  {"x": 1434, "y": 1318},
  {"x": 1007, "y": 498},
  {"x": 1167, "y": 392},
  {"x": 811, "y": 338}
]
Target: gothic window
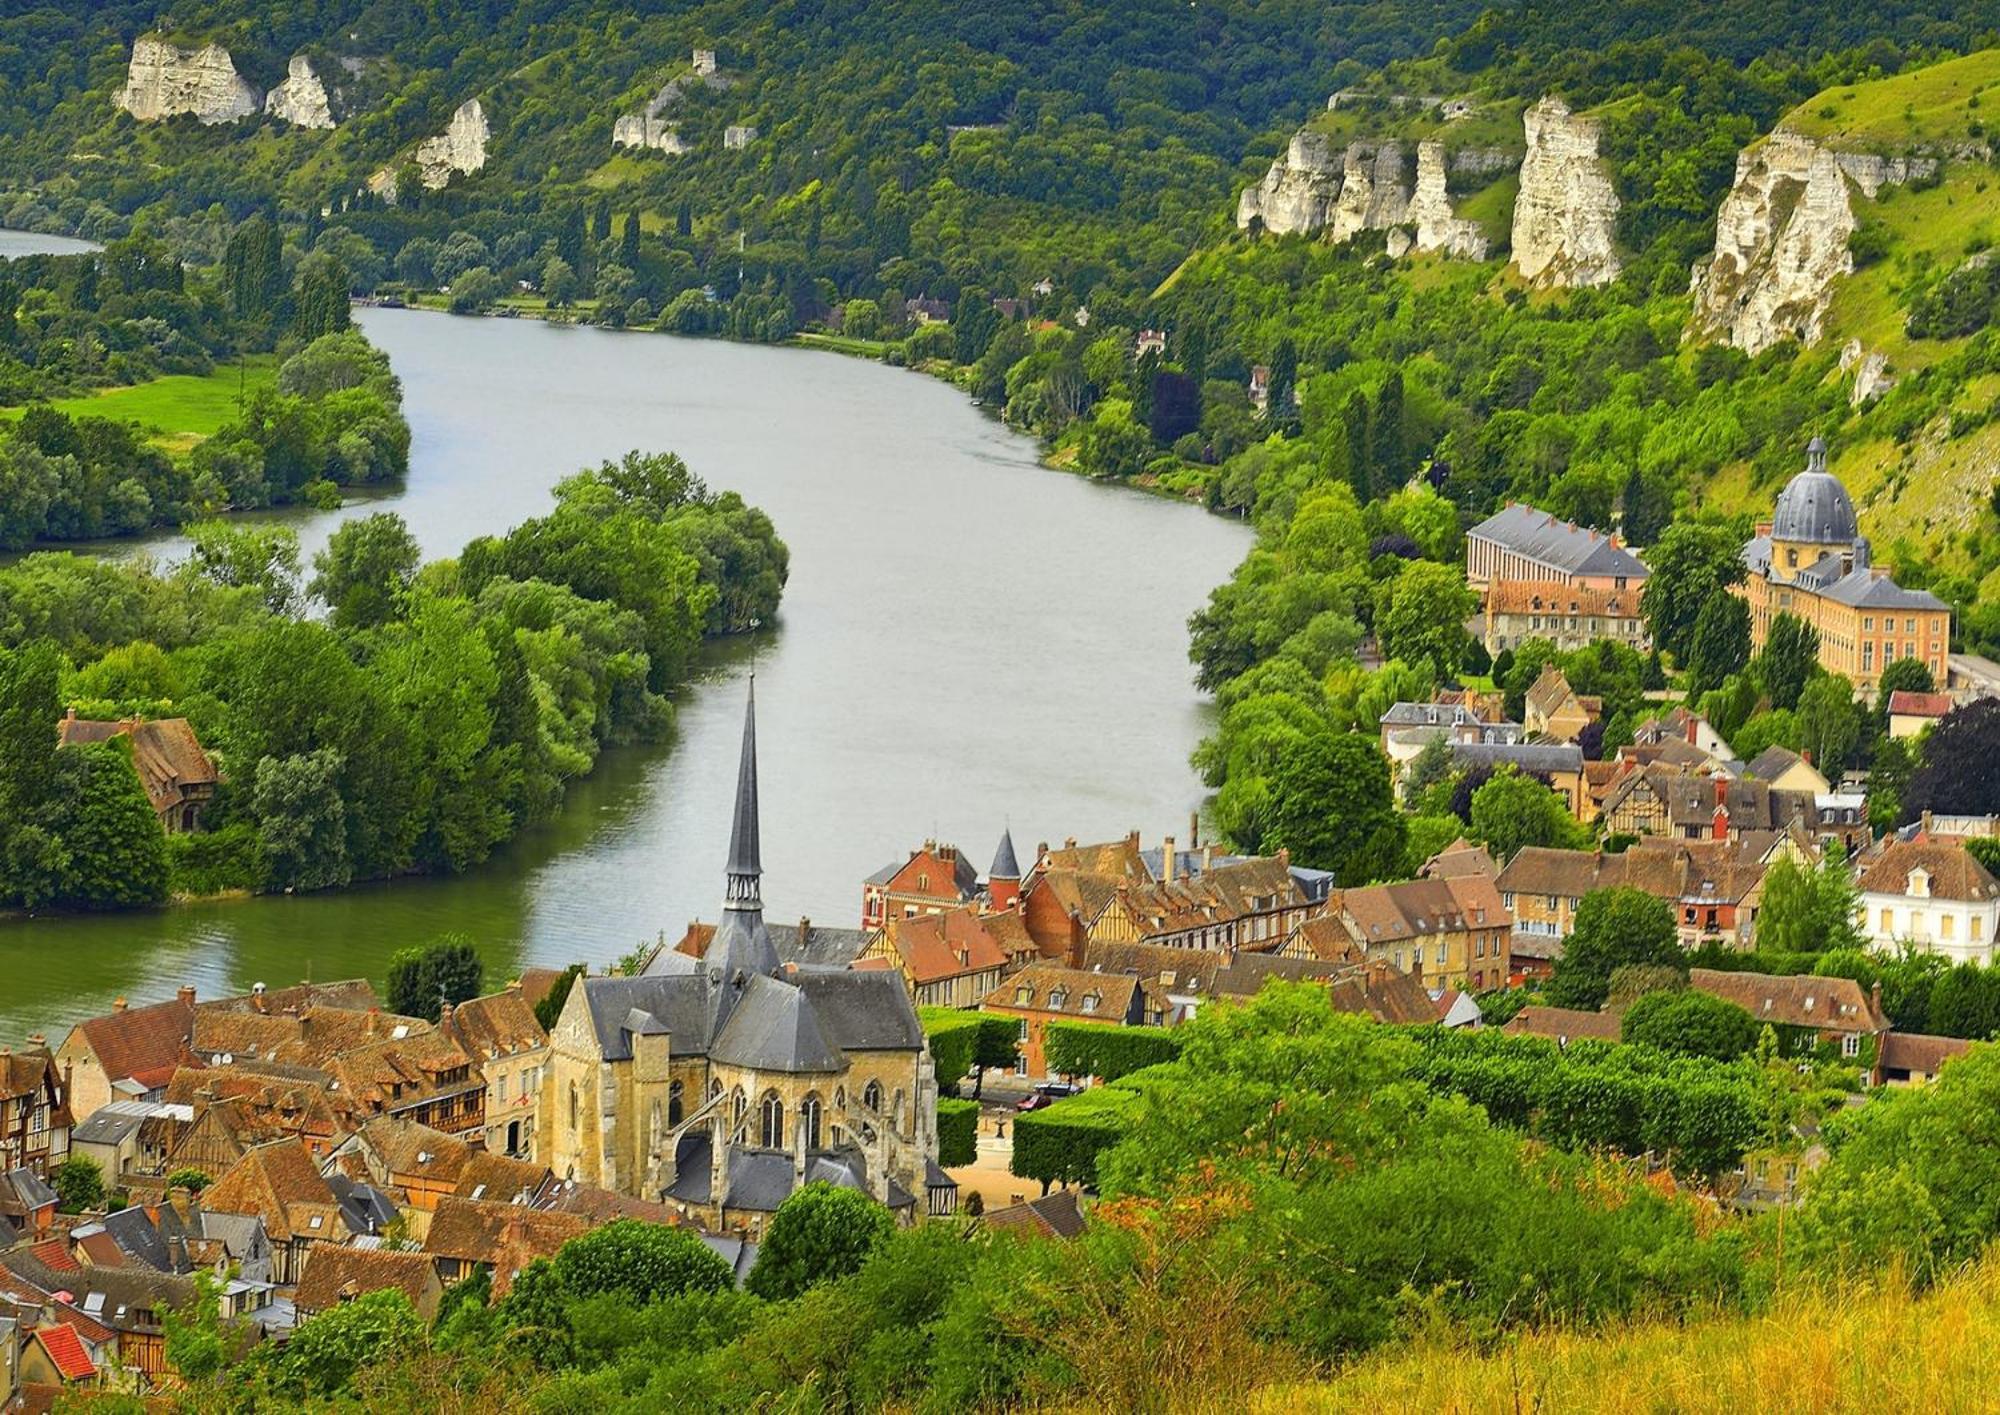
[
  {"x": 740, "y": 1107},
  {"x": 572, "y": 1105},
  {"x": 809, "y": 1116},
  {"x": 674, "y": 1095},
  {"x": 872, "y": 1096},
  {"x": 772, "y": 1114},
  {"x": 897, "y": 1118},
  {"x": 659, "y": 1129},
  {"x": 840, "y": 1099}
]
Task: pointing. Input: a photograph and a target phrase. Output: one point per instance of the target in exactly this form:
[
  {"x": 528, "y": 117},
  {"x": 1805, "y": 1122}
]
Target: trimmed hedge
[
  {"x": 960, "y": 1039},
  {"x": 1060, "y": 1145},
  {"x": 1106, "y": 1050},
  {"x": 958, "y": 1132}
]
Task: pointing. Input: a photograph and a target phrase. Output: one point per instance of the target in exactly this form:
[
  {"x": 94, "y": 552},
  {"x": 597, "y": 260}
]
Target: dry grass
[{"x": 1869, "y": 1349}]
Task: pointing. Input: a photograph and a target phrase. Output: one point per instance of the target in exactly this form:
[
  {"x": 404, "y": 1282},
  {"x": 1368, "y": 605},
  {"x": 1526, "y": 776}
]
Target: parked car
[{"x": 1047, "y": 1094}]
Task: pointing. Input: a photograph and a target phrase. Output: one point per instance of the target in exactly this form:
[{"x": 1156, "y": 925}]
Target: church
[{"x": 719, "y": 1085}]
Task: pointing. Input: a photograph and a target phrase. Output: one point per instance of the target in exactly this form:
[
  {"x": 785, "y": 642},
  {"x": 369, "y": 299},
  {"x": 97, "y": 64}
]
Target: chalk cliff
[
  {"x": 1566, "y": 216},
  {"x": 1374, "y": 193},
  {"x": 164, "y": 81},
  {"x": 460, "y": 148},
  {"x": 301, "y": 99},
  {"x": 1439, "y": 228},
  {"x": 1781, "y": 240},
  {"x": 647, "y": 130},
  {"x": 1299, "y": 190}
]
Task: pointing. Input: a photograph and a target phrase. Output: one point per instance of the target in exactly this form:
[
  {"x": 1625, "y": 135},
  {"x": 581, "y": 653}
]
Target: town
[{"x": 305, "y": 1144}]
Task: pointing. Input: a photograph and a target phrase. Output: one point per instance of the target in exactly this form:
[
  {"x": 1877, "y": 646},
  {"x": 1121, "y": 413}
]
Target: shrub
[
  {"x": 1105, "y": 1050},
  {"x": 818, "y": 1234},
  {"x": 958, "y": 1132},
  {"x": 1060, "y": 1145}
]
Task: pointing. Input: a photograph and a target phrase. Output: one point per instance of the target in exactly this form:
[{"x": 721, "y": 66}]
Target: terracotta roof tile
[
  {"x": 66, "y": 1352},
  {"x": 1800, "y": 1000},
  {"x": 937, "y": 947},
  {"x": 166, "y": 753},
  {"x": 1566, "y": 1024},
  {"x": 1032, "y": 988},
  {"x": 1555, "y": 597},
  {"x": 1954, "y": 873},
  {"x": 1907, "y": 704},
  {"x": 1915, "y": 1051},
  {"x": 505, "y": 1237},
  {"x": 502, "y": 1024},
  {"x": 330, "y": 1271},
  {"x": 139, "y": 1038}
]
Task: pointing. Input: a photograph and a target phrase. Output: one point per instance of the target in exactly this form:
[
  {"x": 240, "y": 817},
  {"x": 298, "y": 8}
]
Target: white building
[{"x": 1933, "y": 895}]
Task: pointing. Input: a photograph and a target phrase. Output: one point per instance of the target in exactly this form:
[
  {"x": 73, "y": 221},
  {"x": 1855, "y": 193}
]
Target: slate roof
[
  {"x": 28, "y": 1190},
  {"x": 679, "y": 1002},
  {"x": 139, "y": 1238},
  {"x": 1563, "y": 546},
  {"x": 740, "y": 1253},
  {"x": 1771, "y": 763},
  {"x": 1057, "y": 1215},
  {"x": 809, "y": 945},
  {"x": 1954, "y": 873},
  {"x": 1814, "y": 506},
  {"x": 1004, "y": 864},
  {"x": 1547, "y": 760},
  {"x": 330, "y": 1270},
  {"x": 1690, "y": 799},
  {"x": 862, "y": 1011},
  {"x": 773, "y": 1027},
  {"x": 111, "y": 1123}
]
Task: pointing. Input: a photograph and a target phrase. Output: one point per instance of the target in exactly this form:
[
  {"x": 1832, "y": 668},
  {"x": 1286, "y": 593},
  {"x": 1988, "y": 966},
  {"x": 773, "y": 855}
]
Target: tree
[
  {"x": 551, "y": 1006},
  {"x": 1830, "y": 723},
  {"x": 1720, "y": 645},
  {"x": 1790, "y": 656},
  {"x": 1512, "y": 810},
  {"x": 115, "y": 849},
  {"x": 238, "y": 556},
  {"x": 448, "y": 969},
  {"x": 1426, "y": 619},
  {"x": 1691, "y": 565},
  {"x": 302, "y": 820},
  {"x": 1689, "y": 1023},
  {"x": 1388, "y": 443},
  {"x": 1613, "y": 927},
  {"x": 319, "y": 297},
  {"x": 79, "y": 1184},
  {"x": 1331, "y": 806},
  {"x": 325, "y": 1353},
  {"x": 818, "y": 1234},
  {"x": 365, "y": 569},
  {"x": 642, "y": 1262},
  {"x": 189, "y": 1178},
  {"x": 474, "y": 289},
  {"x": 1283, "y": 381},
  {"x": 1807, "y": 909},
  {"x": 1959, "y": 773},
  {"x": 1904, "y": 675},
  {"x": 197, "y": 1347},
  {"x": 559, "y": 282}
]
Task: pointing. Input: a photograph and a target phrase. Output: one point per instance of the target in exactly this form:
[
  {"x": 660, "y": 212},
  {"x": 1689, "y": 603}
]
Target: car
[
  {"x": 1047, "y": 1094},
  {"x": 1035, "y": 1100}
]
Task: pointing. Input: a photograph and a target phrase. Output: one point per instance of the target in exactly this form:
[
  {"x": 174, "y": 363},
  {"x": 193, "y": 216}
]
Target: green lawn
[
  {"x": 177, "y": 411},
  {"x": 1928, "y": 105}
]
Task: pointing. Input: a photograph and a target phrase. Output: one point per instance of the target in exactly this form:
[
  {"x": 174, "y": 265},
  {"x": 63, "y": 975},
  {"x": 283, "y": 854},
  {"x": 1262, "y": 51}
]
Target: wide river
[{"x": 968, "y": 641}]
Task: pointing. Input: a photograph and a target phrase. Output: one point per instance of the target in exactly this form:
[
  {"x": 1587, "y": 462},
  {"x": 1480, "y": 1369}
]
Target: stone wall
[{"x": 1566, "y": 216}]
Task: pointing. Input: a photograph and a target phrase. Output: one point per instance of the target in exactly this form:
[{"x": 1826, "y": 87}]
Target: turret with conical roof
[{"x": 1003, "y": 881}]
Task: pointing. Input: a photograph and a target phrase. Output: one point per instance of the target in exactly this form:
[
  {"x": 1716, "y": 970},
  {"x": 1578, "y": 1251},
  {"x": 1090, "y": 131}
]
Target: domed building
[{"x": 1811, "y": 561}]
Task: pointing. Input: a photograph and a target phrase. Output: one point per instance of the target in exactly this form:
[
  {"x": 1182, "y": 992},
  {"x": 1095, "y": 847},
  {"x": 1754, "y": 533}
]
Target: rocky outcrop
[
  {"x": 163, "y": 81},
  {"x": 1781, "y": 239},
  {"x": 1870, "y": 370},
  {"x": 1566, "y": 216},
  {"x": 301, "y": 99},
  {"x": 460, "y": 148},
  {"x": 1299, "y": 190},
  {"x": 1439, "y": 228},
  {"x": 647, "y": 130},
  {"x": 1374, "y": 194}
]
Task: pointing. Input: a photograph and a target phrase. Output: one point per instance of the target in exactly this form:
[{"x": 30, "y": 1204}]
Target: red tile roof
[
  {"x": 1907, "y": 704},
  {"x": 137, "y": 1039},
  {"x": 65, "y": 1349},
  {"x": 56, "y": 1256}
]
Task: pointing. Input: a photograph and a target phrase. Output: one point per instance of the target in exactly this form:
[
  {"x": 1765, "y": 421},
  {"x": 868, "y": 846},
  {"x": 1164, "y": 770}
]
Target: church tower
[{"x": 742, "y": 945}]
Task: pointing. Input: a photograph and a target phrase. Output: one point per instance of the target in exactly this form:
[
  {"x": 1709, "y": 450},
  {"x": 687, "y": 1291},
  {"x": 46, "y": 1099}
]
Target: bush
[
  {"x": 1690, "y": 1023},
  {"x": 818, "y": 1234},
  {"x": 641, "y": 1261},
  {"x": 1060, "y": 1145},
  {"x": 216, "y": 861},
  {"x": 1105, "y": 1050},
  {"x": 958, "y": 1132}
]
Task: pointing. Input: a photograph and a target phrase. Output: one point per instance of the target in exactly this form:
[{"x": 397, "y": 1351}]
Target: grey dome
[{"x": 1814, "y": 507}]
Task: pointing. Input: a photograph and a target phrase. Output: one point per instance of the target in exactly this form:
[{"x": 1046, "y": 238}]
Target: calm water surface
[
  {"x": 13, "y": 243},
  {"x": 967, "y": 641}
]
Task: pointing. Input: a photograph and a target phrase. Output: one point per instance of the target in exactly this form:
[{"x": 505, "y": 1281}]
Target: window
[
  {"x": 501, "y": 1093},
  {"x": 1978, "y": 929},
  {"x": 572, "y": 1105},
  {"x": 675, "y": 1092},
  {"x": 772, "y": 1115},
  {"x": 1850, "y": 1045},
  {"x": 1057, "y": 999},
  {"x": 1440, "y": 953},
  {"x": 872, "y": 1096},
  {"x": 1909, "y": 626},
  {"x": 1888, "y": 921},
  {"x": 809, "y": 1118},
  {"x": 1947, "y": 926},
  {"x": 1023, "y": 996},
  {"x": 1090, "y": 1001},
  {"x": 740, "y": 1106},
  {"x": 1022, "y": 1034}
]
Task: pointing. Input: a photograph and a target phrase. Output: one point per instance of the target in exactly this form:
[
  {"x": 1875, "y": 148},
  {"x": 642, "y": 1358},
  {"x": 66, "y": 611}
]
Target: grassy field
[
  {"x": 175, "y": 412},
  {"x": 1848, "y": 1349},
  {"x": 1937, "y": 104}
]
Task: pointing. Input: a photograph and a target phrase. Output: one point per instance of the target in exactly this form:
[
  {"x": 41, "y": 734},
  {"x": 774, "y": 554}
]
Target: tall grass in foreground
[{"x": 1843, "y": 1348}]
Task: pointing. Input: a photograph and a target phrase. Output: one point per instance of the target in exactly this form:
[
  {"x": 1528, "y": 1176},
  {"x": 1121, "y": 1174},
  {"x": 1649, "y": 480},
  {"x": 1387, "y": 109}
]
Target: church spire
[{"x": 746, "y": 864}]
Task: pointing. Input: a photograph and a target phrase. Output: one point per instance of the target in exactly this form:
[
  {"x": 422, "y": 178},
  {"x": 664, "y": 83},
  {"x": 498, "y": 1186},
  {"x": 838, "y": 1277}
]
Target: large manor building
[
  {"x": 721, "y": 1084},
  {"x": 1811, "y": 561}
]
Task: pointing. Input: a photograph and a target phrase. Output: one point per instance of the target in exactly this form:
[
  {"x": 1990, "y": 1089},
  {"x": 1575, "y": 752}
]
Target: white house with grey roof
[{"x": 720, "y": 1084}]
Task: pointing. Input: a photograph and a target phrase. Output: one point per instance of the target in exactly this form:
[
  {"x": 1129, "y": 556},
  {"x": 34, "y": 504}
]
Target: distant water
[
  {"x": 13, "y": 243},
  {"x": 968, "y": 641}
]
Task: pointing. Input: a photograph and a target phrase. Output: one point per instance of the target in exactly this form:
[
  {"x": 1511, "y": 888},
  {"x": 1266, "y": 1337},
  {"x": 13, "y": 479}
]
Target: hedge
[
  {"x": 960, "y": 1038},
  {"x": 1105, "y": 1050},
  {"x": 1060, "y": 1145},
  {"x": 958, "y": 1132}
]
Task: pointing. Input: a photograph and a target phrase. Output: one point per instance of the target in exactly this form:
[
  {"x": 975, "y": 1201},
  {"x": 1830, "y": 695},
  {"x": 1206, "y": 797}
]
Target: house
[
  {"x": 1689, "y": 805},
  {"x": 35, "y": 1116},
  {"x": 1518, "y": 542},
  {"x": 426, "y": 1077},
  {"x": 132, "y": 1302},
  {"x": 1564, "y": 1025},
  {"x": 1912, "y": 714},
  {"x": 1559, "y": 764},
  {"x": 1449, "y": 931},
  {"x": 27, "y": 1205},
  {"x": 130, "y": 1138},
  {"x": 337, "y": 1275},
  {"x": 503, "y": 1039},
  {"x": 1806, "y": 1010},
  {"x": 418, "y": 1163},
  {"x": 1377, "y": 990},
  {"x": 933, "y": 879},
  {"x": 1911, "y": 1059},
  {"x": 1786, "y": 770},
  {"x": 1811, "y": 561},
  {"x": 721, "y": 1085},
  {"x": 1685, "y": 726},
  {"x": 1459, "y": 859},
  {"x": 1150, "y": 341},
  {"x": 232, "y": 1109},
  {"x": 1554, "y": 711},
  {"x": 1064, "y": 910},
  {"x": 1173, "y": 982},
  {"x": 1049, "y": 992},
  {"x": 56, "y": 1355},
  {"x": 1408, "y": 728},
  {"x": 955, "y": 958},
  {"x": 1570, "y": 616},
  {"x": 178, "y": 776},
  {"x": 1057, "y": 1215},
  {"x": 703, "y": 62},
  {"x": 469, "y": 1236},
  {"x": 923, "y": 309},
  {"x": 1253, "y": 903},
  {"x": 1933, "y": 895},
  {"x": 1713, "y": 888},
  {"x": 280, "y": 1185}
]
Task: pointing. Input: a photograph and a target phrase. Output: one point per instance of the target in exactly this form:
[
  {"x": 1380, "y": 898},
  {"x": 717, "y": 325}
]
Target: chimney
[
  {"x": 1875, "y": 998},
  {"x": 1167, "y": 858},
  {"x": 119, "y": 1005},
  {"x": 1285, "y": 856},
  {"x": 1207, "y": 858},
  {"x": 1194, "y": 830},
  {"x": 70, "y": 716},
  {"x": 186, "y": 995}
]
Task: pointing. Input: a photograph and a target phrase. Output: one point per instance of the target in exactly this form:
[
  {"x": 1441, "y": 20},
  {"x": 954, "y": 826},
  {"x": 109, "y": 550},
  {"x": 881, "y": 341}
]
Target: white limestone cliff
[
  {"x": 1781, "y": 240},
  {"x": 301, "y": 99},
  {"x": 460, "y": 148},
  {"x": 1299, "y": 190},
  {"x": 1870, "y": 370},
  {"x": 1373, "y": 196},
  {"x": 649, "y": 131},
  {"x": 164, "y": 81},
  {"x": 1439, "y": 228},
  {"x": 1566, "y": 216}
]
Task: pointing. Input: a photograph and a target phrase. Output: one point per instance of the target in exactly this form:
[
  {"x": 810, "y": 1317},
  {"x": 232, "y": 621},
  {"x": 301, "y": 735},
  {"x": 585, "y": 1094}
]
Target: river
[{"x": 968, "y": 641}]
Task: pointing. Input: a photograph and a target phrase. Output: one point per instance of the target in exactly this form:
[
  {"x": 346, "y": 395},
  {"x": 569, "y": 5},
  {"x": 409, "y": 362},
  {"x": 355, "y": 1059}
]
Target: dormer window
[
  {"x": 1090, "y": 1001},
  {"x": 1024, "y": 996},
  {"x": 1057, "y": 999}
]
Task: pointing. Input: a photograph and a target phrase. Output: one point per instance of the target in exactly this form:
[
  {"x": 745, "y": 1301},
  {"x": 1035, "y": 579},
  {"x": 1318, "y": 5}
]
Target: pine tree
[
  {"x": 600, "y": 222},
  {"x": 570, "y": 238},
  {"x": 1386, "y": 438},
  {"x": 1284, "y": 381},
  {"x": 684, "y": 220},
  {"x": 1360, "y": 454},
  {"x": 628, "y": 244}
]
